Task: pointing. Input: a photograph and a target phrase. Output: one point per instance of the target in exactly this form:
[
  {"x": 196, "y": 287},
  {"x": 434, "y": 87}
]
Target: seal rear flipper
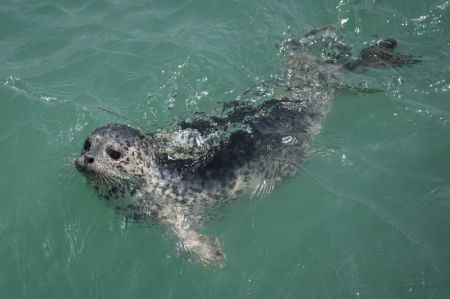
[
  {"x": 380, "y": 55},
  {"x": 344, "y": 90},
  {"x": 324, "y": 42}
]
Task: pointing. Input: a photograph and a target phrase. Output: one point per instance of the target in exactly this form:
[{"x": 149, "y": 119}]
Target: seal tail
[{"x": 380, "y": 55}]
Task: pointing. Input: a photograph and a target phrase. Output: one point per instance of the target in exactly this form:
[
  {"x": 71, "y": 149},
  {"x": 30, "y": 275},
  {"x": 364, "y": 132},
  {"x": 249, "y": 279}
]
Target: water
[{"x": 368, "y": 217}]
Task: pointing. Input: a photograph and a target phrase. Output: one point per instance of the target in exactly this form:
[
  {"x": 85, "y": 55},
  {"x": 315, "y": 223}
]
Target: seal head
[{"x": 114, "y": 159}]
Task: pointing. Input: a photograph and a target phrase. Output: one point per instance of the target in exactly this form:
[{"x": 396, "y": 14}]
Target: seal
[{"x": 173, "y": 177}]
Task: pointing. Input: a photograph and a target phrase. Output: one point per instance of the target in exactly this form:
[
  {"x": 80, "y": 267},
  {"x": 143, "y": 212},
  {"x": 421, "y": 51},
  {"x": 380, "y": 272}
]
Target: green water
[{"x": 368, "y": 217}]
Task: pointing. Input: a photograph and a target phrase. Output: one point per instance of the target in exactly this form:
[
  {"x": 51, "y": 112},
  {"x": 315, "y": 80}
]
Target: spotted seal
[{"x": 173, "y": 177}]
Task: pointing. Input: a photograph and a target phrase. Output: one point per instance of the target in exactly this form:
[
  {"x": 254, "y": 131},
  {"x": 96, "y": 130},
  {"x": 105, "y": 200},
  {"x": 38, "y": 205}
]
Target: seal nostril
[{"x": 88, "y": 160}]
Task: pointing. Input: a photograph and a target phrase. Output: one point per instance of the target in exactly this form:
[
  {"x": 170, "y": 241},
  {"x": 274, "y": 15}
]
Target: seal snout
[{"x": 83, "y": 162}]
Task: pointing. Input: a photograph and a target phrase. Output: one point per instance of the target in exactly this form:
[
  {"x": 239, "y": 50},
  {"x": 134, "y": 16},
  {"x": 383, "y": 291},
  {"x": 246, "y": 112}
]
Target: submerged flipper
[
  {"x": 352, "y": 90},
  {"x": 324, "y": 42},
  {"x": 380, "y": 55},
  {"x": 191, "y": 244},
  {"x": 203, "y": 249}
]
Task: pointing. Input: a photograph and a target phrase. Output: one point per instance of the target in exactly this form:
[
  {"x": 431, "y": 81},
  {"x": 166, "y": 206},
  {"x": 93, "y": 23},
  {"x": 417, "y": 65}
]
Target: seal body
[{"x": 172, "y": 177}]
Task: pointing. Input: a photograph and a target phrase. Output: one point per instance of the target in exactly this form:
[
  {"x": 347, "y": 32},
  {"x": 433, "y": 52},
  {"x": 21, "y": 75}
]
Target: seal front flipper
[
  {"x": 192, "y": 244},
  {"x": 201, "y": 248},
  {"x": 380, "y": 55}
]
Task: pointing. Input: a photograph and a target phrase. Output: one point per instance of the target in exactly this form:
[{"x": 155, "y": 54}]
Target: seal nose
[{"x": 88, "y": 159}]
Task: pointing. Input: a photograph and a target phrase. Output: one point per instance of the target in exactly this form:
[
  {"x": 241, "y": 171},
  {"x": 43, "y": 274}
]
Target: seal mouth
[{"x": 91, "y": 174}]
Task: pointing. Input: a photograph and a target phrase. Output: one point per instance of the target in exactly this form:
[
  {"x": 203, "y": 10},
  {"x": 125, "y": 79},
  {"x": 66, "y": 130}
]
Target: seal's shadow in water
[{"x": 174, "y": 177}]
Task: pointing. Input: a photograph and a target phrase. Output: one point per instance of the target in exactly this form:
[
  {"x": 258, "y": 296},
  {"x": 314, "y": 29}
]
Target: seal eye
[
  {"x": 87, "y": 145},
  {"x": 113, "y": 154}
]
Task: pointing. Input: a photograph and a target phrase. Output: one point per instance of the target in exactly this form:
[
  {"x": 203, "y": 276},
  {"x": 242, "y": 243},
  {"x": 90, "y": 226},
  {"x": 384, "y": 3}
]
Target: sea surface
[{"x": 367, "y": 217}]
